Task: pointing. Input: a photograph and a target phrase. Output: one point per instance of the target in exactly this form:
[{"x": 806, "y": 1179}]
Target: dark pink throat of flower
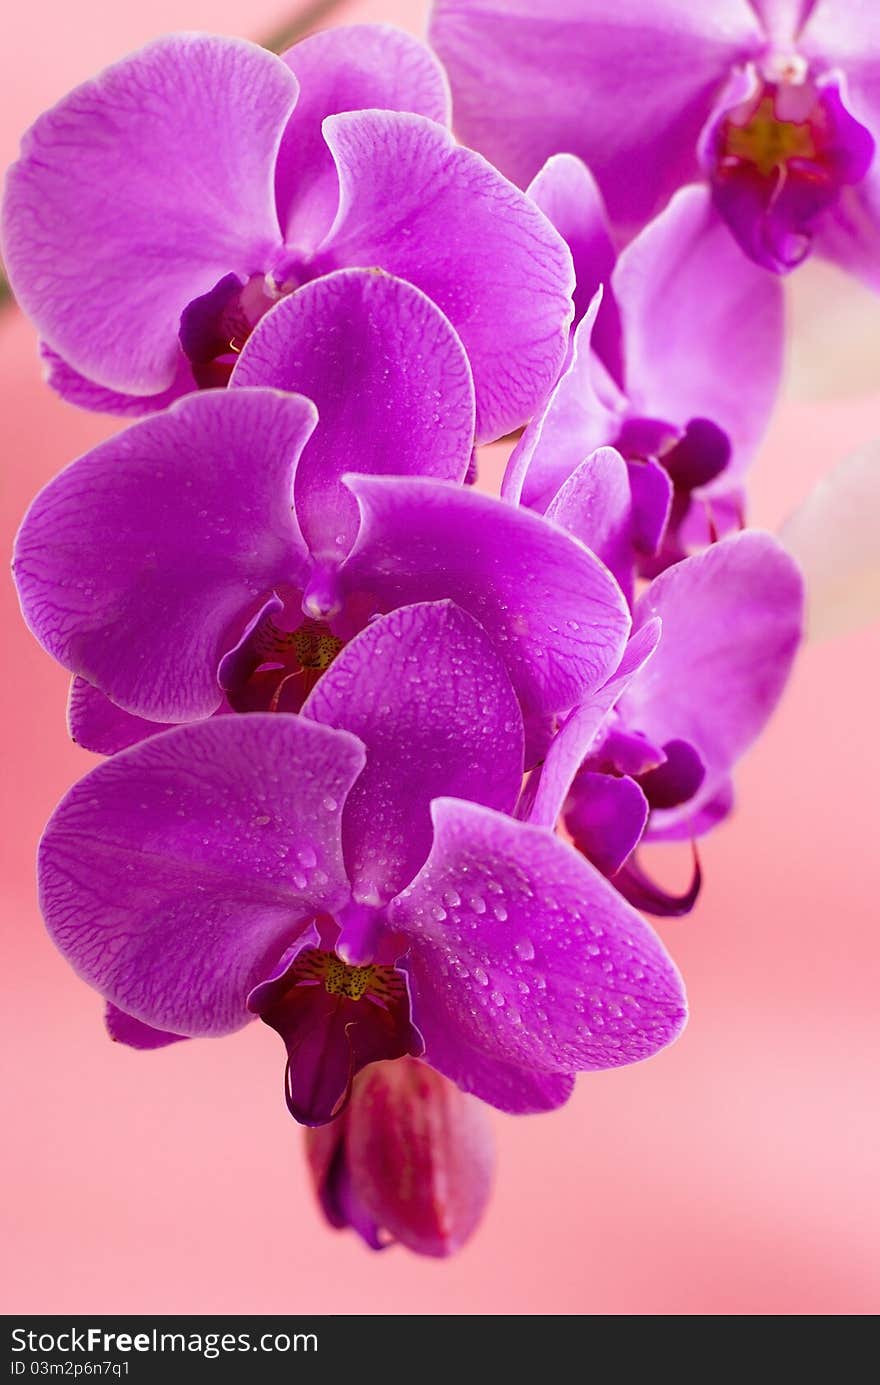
[
  {"x": 279, "y": 668},
  {"x": 781, "y": 159},
  {"x": 762, "y": 139},
  {"x": 334, "y": 1019},
  {"x": 215, "y": 326},
  {"x": 377, "y": 984}
]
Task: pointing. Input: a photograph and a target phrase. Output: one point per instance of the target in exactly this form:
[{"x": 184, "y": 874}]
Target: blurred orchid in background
[
  {"x": 774, "y": 104},
  {"x": 835, "y": 536}
]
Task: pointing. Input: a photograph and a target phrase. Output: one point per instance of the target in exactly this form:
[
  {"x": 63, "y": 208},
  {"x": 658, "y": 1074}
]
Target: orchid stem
[{"x": 301, "y": 24}]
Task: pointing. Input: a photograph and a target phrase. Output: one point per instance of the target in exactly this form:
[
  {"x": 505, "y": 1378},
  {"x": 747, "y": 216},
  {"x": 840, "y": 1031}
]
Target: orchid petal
[
  {"x": 174, "y": 876},
  {"x": 606, "y": 818},
  {"x": 124, "y": 1029},
  {"x": 408, "y": 401},
  {"x": 522, "y": 951},
  {"x": 425, "y": 690},
  {"x": 97, "y": 724},
  {"x": 137, "y": 193},
  {"x": 578, "y": 734},
  {"x": 78, "y": 390},
  {"x": 134, "y": 561},
  {"x": 702, "y": 325},
  {"x": 568, "y": 195},
  {"x": 627, "y": 90},
  {"x": 417, "y": 205},
  {"x": 578, "y": 416},
  {"x": 552, "y": 610},
  {"x": 595, "y": 505},
  {"x": 356, "y": 67},
  {"x": 731, "y": 626}
]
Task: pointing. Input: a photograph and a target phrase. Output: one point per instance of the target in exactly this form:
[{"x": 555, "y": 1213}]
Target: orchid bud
[{"x": 410, "y": 1160}]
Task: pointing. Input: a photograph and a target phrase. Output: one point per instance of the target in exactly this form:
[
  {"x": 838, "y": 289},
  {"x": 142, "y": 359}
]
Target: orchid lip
[
  {"x": 215, "y": 326},
  {"x": 779, "y": 150},
  {"x": 335, "y": 1018},
  {"x": 645, "y": 894}
]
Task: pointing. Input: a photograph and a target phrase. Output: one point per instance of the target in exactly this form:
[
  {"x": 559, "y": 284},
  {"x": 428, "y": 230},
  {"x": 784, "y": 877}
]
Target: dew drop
[
  {"x": 524, "y": 949},
  {"x": 480, "y": 976}
]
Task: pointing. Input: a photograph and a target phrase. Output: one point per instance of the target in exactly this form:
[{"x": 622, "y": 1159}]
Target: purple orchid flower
[
  {"x": 649, "y": 756},
  {"x": 350, "y": 875},
  {"x": 169, "y": 569},
  {"x": 409, "y": 1161},
  {"x": 676, "y": 363},
  {"x": 774, "y": 104},
  {"x": 161, "y": 209}
]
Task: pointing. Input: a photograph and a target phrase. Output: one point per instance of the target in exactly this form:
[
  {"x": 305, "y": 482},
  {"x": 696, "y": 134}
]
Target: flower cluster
[{"x": 380, "y": 749}]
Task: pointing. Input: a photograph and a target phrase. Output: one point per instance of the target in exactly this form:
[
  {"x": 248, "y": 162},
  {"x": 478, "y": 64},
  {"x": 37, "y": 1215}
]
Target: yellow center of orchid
[
  {"x": 353, "y": 983},
  {"x": 315, "y": 648},
  {"x": 342, "y": 979},
  {"x": 288, "y": 657},
  {"x": 768, "y": 142}
]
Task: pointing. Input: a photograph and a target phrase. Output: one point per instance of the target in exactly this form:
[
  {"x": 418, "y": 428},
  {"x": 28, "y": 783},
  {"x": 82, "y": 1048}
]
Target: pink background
[{"x": 734, "y": 1174}]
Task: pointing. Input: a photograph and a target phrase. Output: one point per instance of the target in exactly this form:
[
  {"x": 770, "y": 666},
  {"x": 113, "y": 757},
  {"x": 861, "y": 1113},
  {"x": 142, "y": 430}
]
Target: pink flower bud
[{"x": 410, "y": 1160}]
